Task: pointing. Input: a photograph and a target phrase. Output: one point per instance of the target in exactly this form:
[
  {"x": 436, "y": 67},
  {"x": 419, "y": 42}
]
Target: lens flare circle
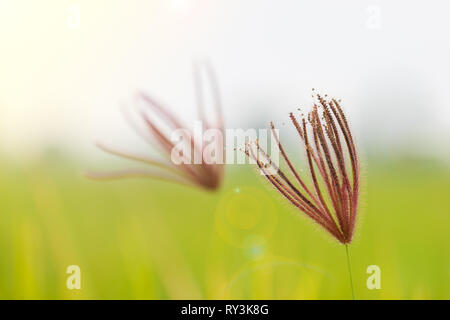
[{"x": 246, "y": 213}]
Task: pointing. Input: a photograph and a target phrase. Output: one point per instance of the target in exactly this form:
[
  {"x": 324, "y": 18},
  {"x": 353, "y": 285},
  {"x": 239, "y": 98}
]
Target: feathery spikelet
[
  {"x": 205, "y": 175},
  {"x": 330, "y": 197}
]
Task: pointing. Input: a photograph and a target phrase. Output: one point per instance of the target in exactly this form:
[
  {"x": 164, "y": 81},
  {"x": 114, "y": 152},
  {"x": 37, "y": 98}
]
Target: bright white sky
[{"x": 66, "y": 66}]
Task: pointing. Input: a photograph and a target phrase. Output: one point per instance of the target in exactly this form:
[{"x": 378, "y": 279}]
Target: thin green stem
[{"x": 350, "y": 271}]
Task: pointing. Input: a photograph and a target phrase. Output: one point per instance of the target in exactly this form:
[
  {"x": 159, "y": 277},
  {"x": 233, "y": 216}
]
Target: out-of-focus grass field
[{"x": 141, "y": 239}]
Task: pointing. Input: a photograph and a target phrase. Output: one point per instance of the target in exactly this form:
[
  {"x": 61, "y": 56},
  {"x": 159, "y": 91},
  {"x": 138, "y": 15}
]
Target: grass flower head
[
  {"x": 330, "y": 194},
  {"x": 157, "y": 124}
]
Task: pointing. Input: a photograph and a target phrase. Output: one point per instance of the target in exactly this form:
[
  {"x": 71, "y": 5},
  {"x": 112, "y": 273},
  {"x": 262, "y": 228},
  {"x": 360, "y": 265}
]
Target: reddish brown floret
[
  {"x": 157, "y": 129},
  {"x": 330, "y": 194}
]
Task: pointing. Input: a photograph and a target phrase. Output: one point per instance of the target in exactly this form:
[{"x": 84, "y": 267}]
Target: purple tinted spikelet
[
  {"x": 157, "y": 126},
  {"x": 329, "y": 195}
]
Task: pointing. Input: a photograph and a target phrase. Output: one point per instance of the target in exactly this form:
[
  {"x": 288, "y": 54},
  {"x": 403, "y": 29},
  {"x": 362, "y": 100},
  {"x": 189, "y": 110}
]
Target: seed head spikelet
[
  {"x": 329, "y": 194},
  {"x": 157, "y": 125}
]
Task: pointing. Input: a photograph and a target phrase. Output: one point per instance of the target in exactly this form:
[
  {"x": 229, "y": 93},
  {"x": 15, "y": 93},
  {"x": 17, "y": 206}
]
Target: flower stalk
[{"x": 350, "y": 271}]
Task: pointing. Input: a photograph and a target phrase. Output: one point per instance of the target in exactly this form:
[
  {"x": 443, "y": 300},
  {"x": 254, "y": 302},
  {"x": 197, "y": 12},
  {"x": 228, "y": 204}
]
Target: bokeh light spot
[
  {"x": 244, "y": 212},
  {"x": 254, "y": 247},
  {"x": 249, "y": 212}
]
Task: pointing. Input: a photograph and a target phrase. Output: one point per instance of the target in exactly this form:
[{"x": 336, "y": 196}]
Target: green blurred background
[
  {"x": 66, "y": 67},
  {"x": 141, "y": 239}
]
